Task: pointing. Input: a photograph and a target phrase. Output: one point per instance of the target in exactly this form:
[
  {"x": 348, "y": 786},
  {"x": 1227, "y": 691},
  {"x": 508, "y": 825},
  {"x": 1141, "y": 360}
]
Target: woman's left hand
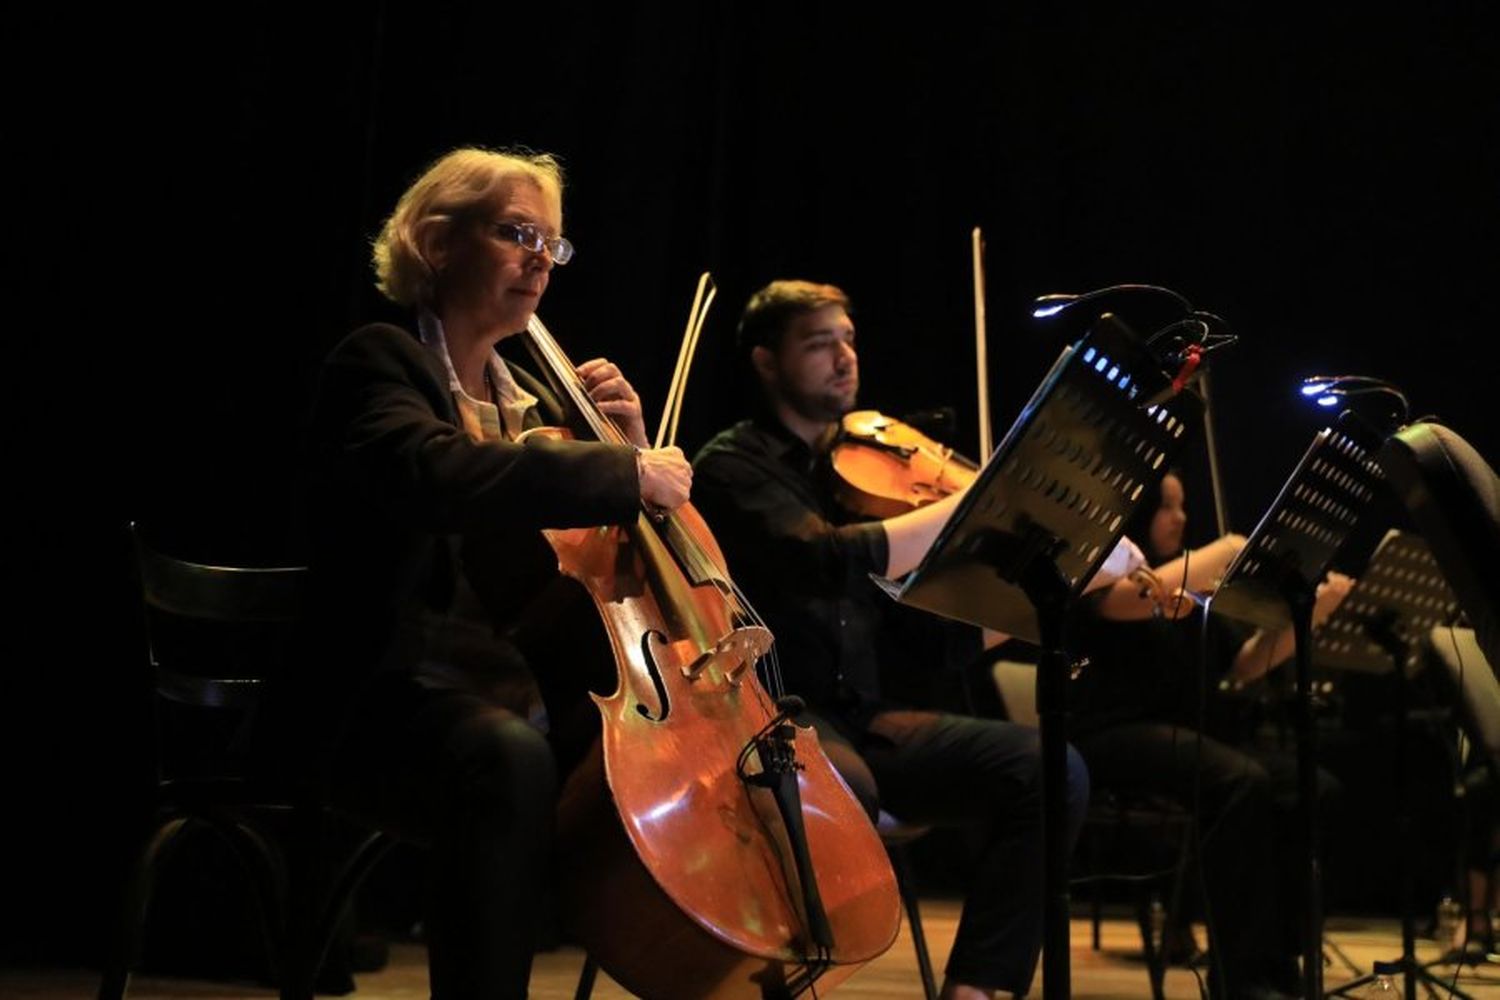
[
  {"x": 616, "y": 397},
  {"x": 1330, "y": 594}
]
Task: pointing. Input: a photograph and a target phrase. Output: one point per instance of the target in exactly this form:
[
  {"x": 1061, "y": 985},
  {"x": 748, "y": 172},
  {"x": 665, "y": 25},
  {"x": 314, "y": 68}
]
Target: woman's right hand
[{"x": 666, "y": 478}]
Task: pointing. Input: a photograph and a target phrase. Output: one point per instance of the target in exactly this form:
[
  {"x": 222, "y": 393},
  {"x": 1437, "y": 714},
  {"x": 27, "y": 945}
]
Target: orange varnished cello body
[
  {"x": 678, "y": 876},
  {"x": 886, "y": 467}
]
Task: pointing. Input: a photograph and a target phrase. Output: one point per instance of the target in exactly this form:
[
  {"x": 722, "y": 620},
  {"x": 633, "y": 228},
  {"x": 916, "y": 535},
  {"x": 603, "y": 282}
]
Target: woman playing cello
[{"x": 426, "y": 516}]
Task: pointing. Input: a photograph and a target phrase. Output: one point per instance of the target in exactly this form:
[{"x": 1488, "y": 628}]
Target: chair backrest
[
  {"x": 1017, "y": 685},
  {"x": 214, "y": 633},
  {"x": 1454, "y": 498}
]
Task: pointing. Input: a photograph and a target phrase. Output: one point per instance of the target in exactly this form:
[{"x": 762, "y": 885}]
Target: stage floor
[{"x": 1115, "y": 971}]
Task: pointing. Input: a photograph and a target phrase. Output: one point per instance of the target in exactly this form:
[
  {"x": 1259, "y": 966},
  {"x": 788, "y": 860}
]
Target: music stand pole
[
  {"x": 1050, "y": 597},
  {"x": 1211, "y": 446},
  {"x": 1300, "y": 603}
]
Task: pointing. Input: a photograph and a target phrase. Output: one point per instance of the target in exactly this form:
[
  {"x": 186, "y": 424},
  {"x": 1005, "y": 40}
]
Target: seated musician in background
[
  {"x": 426, "y": 520},
  {"x": 1135, "y": 709},
  {"x": 764, "y": 486}
]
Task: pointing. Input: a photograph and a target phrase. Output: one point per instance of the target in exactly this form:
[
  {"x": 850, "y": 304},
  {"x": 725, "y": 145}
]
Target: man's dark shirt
[{"x": 805, "y": 564}]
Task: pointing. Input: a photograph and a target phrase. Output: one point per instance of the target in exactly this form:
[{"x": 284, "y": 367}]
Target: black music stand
[
  {"x": 1380, "y": 628},
  {"x": 1036, "y": 526},
  {"x": 1381, "y": 624},
  {"x": 1454, "y": 498},
  {"x": 1272, "y": 584}
]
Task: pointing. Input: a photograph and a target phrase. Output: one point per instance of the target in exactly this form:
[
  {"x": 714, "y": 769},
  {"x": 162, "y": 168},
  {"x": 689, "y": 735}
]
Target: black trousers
[
  {"x": 952, "y": 770},
  {"x": 476, "y": 785},
  {"x": 1252, "y": 908}
]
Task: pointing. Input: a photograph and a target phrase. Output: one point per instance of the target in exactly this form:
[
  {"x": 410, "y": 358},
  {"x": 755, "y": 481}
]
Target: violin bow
[
  {"x": 703, "y": 298},
  {"x": 981, "y": 352}
]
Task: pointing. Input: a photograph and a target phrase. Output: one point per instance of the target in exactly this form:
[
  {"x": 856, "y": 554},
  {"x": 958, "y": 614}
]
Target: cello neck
[{"x": 561, "y": 373}]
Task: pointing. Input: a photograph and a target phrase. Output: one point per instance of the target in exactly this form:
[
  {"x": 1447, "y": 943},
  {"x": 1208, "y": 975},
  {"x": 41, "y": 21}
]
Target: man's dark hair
[{"x": 771, "y": 310}]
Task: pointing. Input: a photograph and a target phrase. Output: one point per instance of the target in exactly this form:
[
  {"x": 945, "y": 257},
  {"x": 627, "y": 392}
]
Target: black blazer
[{"x": 403, "y": 500}]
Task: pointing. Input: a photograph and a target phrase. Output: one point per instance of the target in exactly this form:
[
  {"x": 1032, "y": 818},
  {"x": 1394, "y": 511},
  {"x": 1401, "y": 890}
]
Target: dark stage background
[{"x": 1324, "y": 179}]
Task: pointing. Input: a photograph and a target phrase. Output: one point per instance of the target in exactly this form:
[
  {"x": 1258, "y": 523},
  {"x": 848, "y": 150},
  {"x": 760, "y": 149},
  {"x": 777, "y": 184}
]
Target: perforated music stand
[
  {"x": 1398, "y": 599},
  {"x": 1272, "y": 583},
  {"x": 1036, "y": 526},
  {"x": 1379, "y": 629}
]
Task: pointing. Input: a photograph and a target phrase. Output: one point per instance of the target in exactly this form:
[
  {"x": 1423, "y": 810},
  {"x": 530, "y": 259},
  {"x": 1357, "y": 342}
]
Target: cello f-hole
[{"x": 648, "y": 656}]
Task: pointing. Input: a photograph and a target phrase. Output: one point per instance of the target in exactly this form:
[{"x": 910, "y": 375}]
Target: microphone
[
  {"x": 773, "y": 745},
  {"x": 789, "y": 705}
]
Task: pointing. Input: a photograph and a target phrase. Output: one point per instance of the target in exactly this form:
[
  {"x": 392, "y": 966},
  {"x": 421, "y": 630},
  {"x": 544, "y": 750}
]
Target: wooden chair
[{"x": 214, "y": 636}]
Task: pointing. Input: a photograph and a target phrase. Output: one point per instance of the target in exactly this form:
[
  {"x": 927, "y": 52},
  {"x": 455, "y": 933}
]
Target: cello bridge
[{"x": 733, "y": 654}]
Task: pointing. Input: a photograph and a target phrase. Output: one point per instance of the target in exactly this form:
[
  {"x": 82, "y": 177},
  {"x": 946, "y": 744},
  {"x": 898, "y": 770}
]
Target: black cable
[{"x": 1215, "y": 944}]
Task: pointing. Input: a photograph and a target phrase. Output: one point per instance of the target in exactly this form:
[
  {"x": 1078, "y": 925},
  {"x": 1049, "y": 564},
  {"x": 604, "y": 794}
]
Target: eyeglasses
[{"x": 529, "y": 237}]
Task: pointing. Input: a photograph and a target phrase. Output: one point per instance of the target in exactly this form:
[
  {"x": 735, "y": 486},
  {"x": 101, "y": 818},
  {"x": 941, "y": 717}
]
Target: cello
[{"x": 710, "y": 849}]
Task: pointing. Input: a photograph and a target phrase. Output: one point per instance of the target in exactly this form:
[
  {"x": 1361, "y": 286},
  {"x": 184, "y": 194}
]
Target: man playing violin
[
  {"x": 426, "y": 519},
  {"x": 764, "y": 487}
]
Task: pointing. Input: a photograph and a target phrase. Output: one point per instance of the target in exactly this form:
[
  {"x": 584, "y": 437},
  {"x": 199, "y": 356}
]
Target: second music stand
[
  {"x": 1272, "y": 584},
  {"x": 1380, "y": 628},
  {"x": 1041, "y": 519}
]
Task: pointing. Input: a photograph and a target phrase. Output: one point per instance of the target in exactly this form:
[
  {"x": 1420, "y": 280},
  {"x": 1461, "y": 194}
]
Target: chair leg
[
  {"x": 135, "y": 896},
  {"x": 1096, "y": 906},
  {"x": 586, "y": 977},
  {"x": 264, "y": 867},
  {"x": 1172, "y": 910},
  {"x": 1151, "y": 918},
  {"x": 335, "y": 905},
  {"x": 1096, "y": 914},
  {"x": 914, "y": 921},
  {"x": 304, "y": 873}
]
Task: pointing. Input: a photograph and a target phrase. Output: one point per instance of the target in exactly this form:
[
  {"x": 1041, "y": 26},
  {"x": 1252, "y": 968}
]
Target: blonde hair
[{"x": 457, "y": 187}]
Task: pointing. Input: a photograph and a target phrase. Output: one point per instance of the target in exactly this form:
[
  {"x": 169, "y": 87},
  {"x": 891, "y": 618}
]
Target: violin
[
  {"x": 709, "y": 848},
  {"x": 885, "y": 467}
]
